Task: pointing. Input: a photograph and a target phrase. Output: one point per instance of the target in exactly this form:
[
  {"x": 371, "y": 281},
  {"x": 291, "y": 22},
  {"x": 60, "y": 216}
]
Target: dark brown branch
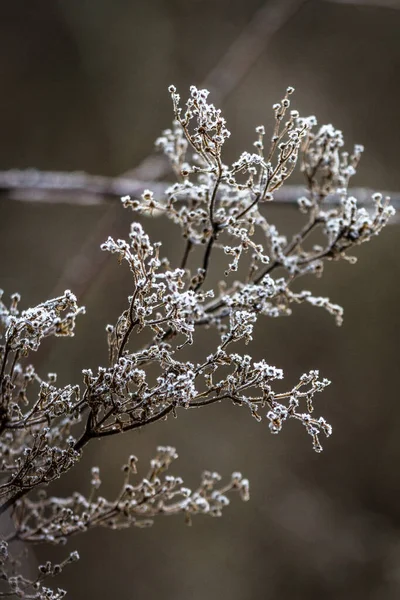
[
  {"x": 136, "y": 425},
  {"x": 13, "y": 499},
  {"x": 188, "y": 248}
]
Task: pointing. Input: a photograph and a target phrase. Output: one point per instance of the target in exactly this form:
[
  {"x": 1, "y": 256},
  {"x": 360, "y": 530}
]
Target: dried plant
[{"x": 44, "y": 428}]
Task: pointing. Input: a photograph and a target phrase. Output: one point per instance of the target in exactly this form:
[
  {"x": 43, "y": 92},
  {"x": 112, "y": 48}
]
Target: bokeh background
[{"x": 84, "y": 87}]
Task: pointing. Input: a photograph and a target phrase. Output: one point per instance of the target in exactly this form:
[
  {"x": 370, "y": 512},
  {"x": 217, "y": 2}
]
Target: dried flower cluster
[{"x": 218, "y": 207}]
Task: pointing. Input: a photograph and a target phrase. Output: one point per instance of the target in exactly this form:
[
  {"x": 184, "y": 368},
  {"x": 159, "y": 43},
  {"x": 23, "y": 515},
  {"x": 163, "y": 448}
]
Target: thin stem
[
  {"x": 138, "y": 424},
  {"x": 215, "y": 227},
  {"x": 214, "y": 194},
  {"x": 212, "y": 400},
  {"x": 4, "y": 361},
  {"x": 246, "y": 210},
  {"x": 295, "y": 242},
  {"x": 130, "y": 327},
  {"x": 206, "y": 262},
  {"x": 14, "y": 362},
  {"x": 188, "y": 248},
  {"x": 13, "y": 499}
]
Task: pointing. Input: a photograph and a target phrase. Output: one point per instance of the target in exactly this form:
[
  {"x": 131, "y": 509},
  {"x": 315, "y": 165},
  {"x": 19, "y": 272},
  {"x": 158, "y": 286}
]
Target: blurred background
[{"x": 84, "y": 87}]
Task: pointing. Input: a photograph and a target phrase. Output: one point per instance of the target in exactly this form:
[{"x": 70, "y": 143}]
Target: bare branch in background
[
  {"x": 84, "y": 189},
  {"x": 32, "y": 185},
  {"x": 374, "y": 3}
]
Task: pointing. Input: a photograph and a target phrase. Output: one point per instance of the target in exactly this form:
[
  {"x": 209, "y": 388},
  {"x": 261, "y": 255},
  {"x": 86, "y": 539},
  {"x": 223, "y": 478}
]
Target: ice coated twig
[{"x": 220, "y": 209}]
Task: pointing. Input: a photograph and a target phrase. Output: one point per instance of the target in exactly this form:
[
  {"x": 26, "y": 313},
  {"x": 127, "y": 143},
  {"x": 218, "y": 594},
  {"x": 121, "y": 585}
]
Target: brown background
[{"x": 84, "y": 88}]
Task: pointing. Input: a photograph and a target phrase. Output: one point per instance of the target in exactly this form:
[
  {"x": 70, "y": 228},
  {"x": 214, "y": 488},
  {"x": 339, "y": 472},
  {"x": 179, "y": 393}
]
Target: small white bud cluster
[{"x": 24, "y": 331}]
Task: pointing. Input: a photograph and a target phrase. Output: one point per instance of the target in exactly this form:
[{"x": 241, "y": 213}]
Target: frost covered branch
[{"x": 222, "y": 210}]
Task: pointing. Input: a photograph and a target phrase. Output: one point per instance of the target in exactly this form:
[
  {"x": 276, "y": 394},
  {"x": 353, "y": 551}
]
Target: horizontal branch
[
  {"x": 374, "y": 3},
  {"x": 83, "y": 189},
  {"x": 31, "y": 185}
]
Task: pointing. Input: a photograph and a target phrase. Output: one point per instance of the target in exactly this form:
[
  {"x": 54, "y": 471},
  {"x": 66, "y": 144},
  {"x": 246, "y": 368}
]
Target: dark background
[{"x": 84, "y": 87}]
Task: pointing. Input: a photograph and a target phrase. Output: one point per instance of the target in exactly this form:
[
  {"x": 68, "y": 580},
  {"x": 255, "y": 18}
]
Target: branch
[
  {"x": 83, "y": 189},
  {"x": 375, "y": 3},
  {"x": 80, "y": 188}
]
